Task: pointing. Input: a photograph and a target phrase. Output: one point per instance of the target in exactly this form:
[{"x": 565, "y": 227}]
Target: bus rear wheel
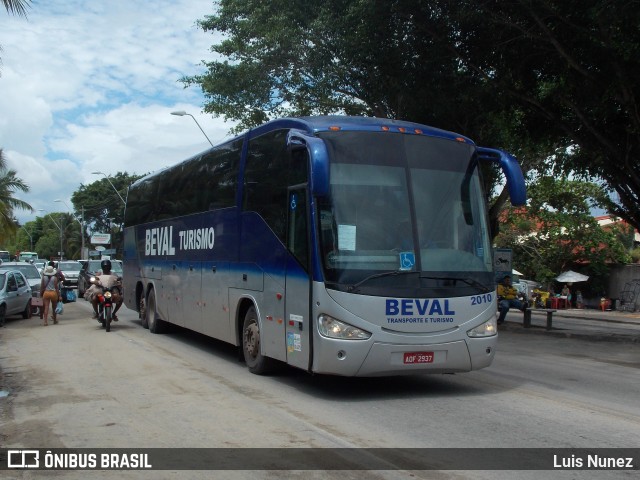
[
  {"x": 156, "y": 325},
  {"x": 256, "y": 362},
  {"x": 144, "y": 321}
]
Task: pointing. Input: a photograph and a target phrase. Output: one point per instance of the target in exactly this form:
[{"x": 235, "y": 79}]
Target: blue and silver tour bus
[{"x": 339, "y": 245}]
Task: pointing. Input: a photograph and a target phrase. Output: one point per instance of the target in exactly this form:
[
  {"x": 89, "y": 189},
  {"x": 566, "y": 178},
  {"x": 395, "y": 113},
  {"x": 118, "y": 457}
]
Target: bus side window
[
  {"x": 219, "y": 173},
  {"x": 266, "y": 180}
]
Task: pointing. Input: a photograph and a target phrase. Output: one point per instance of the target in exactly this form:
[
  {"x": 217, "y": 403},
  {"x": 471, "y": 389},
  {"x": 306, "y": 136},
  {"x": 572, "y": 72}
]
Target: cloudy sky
[{"x": 88, "y": 85}]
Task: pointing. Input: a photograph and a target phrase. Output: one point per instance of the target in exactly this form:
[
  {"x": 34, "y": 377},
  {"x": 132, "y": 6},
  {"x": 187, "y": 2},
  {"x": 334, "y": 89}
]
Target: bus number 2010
[{"x": 478, "y": 299}]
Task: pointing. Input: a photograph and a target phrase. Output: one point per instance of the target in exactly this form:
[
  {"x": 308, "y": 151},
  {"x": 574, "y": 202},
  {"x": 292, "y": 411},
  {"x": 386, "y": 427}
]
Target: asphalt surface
[{"x": 589, "y": 324}]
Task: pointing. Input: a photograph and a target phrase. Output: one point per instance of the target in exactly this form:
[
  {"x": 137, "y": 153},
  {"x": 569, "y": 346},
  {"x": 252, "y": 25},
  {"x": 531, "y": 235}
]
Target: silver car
[
  {"x": 29, "y": 270},
  {"x": 71, "y": 270},
  {"x": 15, "y": 295}
]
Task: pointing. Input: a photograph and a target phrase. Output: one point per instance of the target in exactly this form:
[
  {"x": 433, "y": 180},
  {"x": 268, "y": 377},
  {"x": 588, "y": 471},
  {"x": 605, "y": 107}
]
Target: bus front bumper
[{"x": 371, "y": 359}]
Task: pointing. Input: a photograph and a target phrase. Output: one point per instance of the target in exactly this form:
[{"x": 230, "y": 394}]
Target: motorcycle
[
  {"x": 105, "y": 303},
  {"x": 523, "y": 298}
]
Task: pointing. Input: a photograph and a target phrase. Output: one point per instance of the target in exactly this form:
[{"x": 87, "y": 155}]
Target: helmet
[{"x": 105, "y": 265}]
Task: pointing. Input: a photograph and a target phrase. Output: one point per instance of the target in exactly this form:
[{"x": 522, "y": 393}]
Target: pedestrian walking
[{"x": 50, "y": 293}]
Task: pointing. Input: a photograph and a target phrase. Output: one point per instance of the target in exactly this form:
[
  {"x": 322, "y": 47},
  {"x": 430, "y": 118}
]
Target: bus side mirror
[
  {"x": 512, "y": 172},
  {"x": 295, "y": 142},
  {"x": 318, "y": 159}
]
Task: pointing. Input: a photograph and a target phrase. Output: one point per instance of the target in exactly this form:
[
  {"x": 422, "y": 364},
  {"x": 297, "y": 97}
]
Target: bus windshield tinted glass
[{"x": 404, "y": 203}]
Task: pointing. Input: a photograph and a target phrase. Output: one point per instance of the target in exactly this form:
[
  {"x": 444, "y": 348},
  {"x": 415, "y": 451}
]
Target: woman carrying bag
[{"x": 50, "y": 293}]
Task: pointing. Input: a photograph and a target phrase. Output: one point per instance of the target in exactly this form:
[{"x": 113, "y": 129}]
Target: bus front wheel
[{"x": 256, "y": 362}]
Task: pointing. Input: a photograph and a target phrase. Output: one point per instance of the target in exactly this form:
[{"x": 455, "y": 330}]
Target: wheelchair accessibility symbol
[
  {"x": 294, "y": 202},
  {"x": 407, "y": 260}
]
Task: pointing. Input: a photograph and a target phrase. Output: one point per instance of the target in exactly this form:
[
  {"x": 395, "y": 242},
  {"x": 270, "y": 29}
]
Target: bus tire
[
  {"x": 143, "y": 313},
  {"x": 156, "y": 325},
  {"x": 256, "y": 362}
]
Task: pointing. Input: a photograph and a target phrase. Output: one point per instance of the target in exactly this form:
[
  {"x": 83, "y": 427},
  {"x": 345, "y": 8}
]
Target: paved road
[{"x": 73, "y": 385}]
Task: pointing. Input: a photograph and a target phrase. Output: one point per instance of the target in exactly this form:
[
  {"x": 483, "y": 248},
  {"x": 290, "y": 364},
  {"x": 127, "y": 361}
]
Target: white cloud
[{"x": 89, "y": 86}]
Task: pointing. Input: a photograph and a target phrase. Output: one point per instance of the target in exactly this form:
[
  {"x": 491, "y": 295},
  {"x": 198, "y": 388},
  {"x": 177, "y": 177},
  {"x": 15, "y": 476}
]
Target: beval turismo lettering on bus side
[{"x": 159, "y": 241}]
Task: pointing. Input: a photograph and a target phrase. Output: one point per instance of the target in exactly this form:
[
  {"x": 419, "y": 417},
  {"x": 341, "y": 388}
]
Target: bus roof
[
  {"x": 341, "y": 122},
  {"x": 324, "y": 123}
]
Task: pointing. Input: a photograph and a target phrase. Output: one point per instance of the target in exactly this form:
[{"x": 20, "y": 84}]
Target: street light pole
[
  {"x": 59, "y": 227},
  {"x": 112, "y": 186},
  {"x": 182, "y": 113},
  {"x": 81, "y": 225},
  {"x": 30, "y": 237}
]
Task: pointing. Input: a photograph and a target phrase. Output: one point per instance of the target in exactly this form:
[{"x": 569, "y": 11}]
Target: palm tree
[
  {"x": 17, "y": 7},
  {"x": 9, "y": 183}
]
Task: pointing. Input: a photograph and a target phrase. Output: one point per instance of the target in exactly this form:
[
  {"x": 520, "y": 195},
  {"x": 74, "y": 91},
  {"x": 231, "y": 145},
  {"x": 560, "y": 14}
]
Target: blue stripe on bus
[{"x": 260, "y": 245}]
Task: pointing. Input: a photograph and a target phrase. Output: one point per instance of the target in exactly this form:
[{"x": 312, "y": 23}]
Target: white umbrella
[
  {"x": 516, "y": 272},
  {"x": 571, "y": 277}
]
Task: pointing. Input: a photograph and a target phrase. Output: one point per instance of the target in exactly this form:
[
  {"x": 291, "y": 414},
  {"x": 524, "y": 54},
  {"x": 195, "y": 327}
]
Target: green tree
[
  {"x": 9, "y": 184},
  {"x": 26, "y": 237},
  {"x": 99, "y": 202},
  {"x": 47, "y": 235},
  {"x": 556, "y": 232},
  {"x": 553, "y": 82},
  {"x": 48, "y": 243},
  {"x": 100, "y": 206},
  {"x": 570, "y": 67}
]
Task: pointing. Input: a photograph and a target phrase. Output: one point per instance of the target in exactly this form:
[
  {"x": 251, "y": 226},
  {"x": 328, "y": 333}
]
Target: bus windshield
[{"x": 409, "y": 204}]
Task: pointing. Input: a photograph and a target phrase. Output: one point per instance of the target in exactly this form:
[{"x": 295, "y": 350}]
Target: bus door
[{"x": 298, "y": 281}]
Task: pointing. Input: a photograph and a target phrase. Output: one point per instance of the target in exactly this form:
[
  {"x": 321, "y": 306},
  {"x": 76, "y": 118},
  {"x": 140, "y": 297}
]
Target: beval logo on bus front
[
  {"x": 407, "y": 310},
  {"x": 159, "y": 241}
]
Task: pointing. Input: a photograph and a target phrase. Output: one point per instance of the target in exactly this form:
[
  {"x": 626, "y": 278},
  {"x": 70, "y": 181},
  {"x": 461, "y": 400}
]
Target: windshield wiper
[
  {"x": 391, "y": 273},
  {"x": 467, "y": 280}
]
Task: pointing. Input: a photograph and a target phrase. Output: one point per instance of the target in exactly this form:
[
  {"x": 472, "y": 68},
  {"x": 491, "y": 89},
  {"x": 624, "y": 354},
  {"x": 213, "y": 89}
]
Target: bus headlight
[
  {"x": 487, "y": 329},
  {"x": 334, "y": 328}
]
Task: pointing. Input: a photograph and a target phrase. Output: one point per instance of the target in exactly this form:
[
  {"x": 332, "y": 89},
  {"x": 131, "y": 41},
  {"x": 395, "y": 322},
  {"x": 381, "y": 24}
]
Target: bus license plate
[{"x": 418, "y": 357}]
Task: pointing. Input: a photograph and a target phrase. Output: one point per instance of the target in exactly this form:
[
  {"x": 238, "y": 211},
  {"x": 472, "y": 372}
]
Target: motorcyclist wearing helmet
[{"x": 107, "y": 279}]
